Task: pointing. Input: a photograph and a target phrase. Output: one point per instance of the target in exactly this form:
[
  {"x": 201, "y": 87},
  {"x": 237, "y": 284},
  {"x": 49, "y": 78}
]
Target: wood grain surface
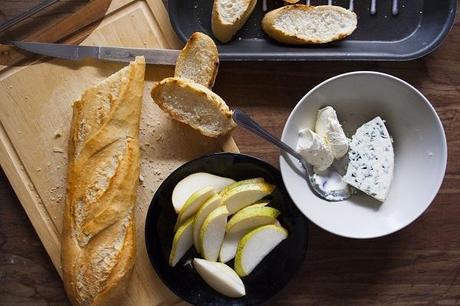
[{"x": 419, "y": 265}]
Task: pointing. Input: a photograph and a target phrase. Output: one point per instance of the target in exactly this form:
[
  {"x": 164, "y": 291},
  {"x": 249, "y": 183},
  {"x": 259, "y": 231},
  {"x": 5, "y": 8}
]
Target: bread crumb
[
  {"x": 141, "y": 178},
  {"x": 57, "y": 133},
  {"x": 38, "y": 169},
  {"x": 48, "y": 164},
  {"x": 58, "y": 150}
]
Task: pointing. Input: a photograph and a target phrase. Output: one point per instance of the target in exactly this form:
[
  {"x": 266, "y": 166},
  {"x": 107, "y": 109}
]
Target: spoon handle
[{"x": 248, "y": 123}]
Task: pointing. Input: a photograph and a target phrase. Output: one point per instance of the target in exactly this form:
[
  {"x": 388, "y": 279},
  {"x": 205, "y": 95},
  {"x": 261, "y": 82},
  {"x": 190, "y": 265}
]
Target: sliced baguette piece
[
  {"x": 228, "y": 16},
  {"x": 199, "y": 60},
  {"x": 194, "y": 105},
  {"x": 302, "y": 24}
]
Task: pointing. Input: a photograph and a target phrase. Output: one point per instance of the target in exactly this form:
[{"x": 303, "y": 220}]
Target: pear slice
[
  {"x": 212, "y": 233},
  {"x": 183, "y": 240},
  {"x": 229, "y": 246},
  {"x": 220, "y": 277},
  {"x": 192, "y": 183},
  {"x": 193, "y": 203},
  {"x": 251, "y": 217},
  {"x": 245, "y": 194},
  {"x": 239, "y": 183},
  {"x": 205, "y": 209},
  {"x": 260, "y": 204},
  {"x": 243, "y": 222},
  {"x": 255, "y": 245}
]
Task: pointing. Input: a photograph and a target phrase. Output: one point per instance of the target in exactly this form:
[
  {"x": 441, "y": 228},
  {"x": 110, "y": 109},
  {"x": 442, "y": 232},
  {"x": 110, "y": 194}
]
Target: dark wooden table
[{"x": 418, "y": 265}]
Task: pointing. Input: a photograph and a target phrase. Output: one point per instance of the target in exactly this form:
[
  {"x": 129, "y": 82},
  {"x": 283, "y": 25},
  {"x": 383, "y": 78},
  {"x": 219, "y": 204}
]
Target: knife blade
[{"x": 116, "y": 54}]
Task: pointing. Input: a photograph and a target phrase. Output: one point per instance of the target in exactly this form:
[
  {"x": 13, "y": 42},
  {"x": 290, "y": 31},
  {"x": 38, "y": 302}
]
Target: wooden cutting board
[{"x": 35, "y": 104}]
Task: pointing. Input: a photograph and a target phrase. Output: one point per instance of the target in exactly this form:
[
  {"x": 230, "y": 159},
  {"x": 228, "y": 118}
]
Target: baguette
[
  {"x": 228, "y": 16},
  {"x": 199, "y": 60},
  {"x": 194, "y": 105},
  {"x": 302, "y": 24},
  {"x": 98, "y": 238}
]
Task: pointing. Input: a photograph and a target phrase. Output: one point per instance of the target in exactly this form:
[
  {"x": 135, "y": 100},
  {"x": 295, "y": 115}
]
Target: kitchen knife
[{"x": 75, "y": 52}]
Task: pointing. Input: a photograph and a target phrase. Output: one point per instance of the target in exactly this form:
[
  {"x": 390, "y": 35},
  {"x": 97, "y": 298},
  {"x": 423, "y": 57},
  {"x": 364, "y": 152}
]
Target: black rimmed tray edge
[{"x": 369, "y": 51}]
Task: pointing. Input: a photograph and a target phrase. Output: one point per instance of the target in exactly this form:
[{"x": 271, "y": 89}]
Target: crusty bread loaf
[
  {"x": 199, "y": 60},
  {"x": 98, "y": 238},
  {"x": 303, "y": 24},
  {"x": 228, "y": 16},
  {"x": 193, "y": 104}
]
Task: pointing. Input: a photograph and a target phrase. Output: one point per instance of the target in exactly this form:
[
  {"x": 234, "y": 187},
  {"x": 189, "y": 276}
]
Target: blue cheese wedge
[{"x": 371, "y": 160}]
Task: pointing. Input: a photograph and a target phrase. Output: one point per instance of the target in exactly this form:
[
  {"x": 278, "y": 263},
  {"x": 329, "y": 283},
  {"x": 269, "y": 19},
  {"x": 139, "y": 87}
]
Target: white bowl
[{"x": 419, "y": 145}]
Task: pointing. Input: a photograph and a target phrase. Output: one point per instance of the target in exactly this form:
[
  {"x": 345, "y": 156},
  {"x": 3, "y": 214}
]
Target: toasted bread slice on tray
[
  {"x": 228, "y": 16},
  {"x": 302, "y": 24}
]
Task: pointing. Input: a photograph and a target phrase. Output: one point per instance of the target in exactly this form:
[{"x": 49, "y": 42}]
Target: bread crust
[
  {"x": 165, "y": 95},
  {"x": 282, "y": 36},
  {"x": 198, "y": 60},
  {"x": 98, "y": 238},
  {"x": 223, "y": 30}
]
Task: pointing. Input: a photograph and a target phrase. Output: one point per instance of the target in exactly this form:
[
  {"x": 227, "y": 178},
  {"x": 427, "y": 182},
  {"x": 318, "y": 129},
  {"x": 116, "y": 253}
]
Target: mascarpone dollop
[
  {"x": 330, "y": 129},
  {"x": 314, "y": 150}
]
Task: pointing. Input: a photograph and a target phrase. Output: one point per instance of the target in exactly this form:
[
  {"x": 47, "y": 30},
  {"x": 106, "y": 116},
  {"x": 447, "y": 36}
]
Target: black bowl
[{"x": 269, "y": 277}]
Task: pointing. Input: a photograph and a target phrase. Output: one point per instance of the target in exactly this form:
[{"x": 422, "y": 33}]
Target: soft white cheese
[
  {"x": 328, "y": 127},
  {"x": 371, "y": 160},
  {"x": 313, "y": 149}
]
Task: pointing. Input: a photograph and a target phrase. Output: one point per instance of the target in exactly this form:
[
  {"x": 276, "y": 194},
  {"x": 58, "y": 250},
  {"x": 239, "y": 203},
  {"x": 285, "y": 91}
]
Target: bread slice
[
  {"x": 302, "y": 24},
  {"x": 199, "y": 60},
  {"x": 195, "y": 105},
  {"x": 228, "y": 16}
]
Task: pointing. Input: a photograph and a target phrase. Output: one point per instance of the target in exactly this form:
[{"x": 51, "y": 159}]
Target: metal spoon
[{"x": 243, "y": 120}]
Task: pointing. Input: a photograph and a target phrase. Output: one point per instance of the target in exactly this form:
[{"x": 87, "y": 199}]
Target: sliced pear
[
  {"x": 255, "y": 245},
  {"x": 229, "y": 246},
  {"x": 243, "y": 222},
  {"x": 245, "y": 194},
  {"x": 193, "y": 203},
  {"x": 183, "y": 240},
  {"x": 239, "y": 183},
  {"x": 261, "y": 204},
  {"x": 212, "y": 233},
  {"x": 220, "y": 277},
  {"x": 205, "y": 209},
  {"x": 251, "y": 217},
  {"x": 192, "y": 183}
]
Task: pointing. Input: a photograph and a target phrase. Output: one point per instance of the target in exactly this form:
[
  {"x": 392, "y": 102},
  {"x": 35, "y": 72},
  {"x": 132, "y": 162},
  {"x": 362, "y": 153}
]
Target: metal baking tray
[{"x": 387, "y": 30}]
